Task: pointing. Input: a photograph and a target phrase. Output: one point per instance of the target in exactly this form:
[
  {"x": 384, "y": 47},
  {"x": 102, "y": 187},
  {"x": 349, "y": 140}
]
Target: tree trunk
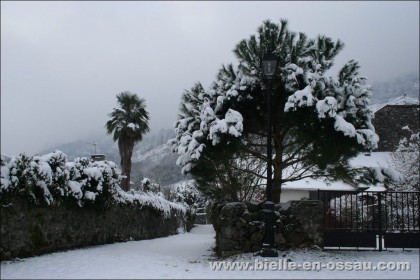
[
  {"x": 126, "y": 146},
  {"x": 276, "y": 191},
  {"x": 277, "y": 178}
]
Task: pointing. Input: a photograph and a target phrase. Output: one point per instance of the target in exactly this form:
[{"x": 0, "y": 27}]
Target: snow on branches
[
  {"x": 346, "y": 101},
  {"x": 202, "y": 118},
  {"x": 208, "y": 116}
]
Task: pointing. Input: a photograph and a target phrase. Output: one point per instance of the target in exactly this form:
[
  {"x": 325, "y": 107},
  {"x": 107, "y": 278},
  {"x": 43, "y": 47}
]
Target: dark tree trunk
[
  {"x": 276, "y": 191},
  {"x": 126, "y": 146},
  {"x": 277, "y": 163},
  {"x": 277, "y": 178}
]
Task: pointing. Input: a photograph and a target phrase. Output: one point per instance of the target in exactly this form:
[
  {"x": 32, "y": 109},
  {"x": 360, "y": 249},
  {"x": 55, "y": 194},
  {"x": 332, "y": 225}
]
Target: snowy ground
[{"x": 187, "y": 256}]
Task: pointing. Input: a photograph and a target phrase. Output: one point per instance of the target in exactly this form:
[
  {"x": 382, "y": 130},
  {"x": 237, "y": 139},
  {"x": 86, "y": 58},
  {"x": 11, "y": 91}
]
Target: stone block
[
  {"x": 227, "y": 245},
  {"x": 252, "y": 207},
  {"x": 233, "y": 209},
  {"x": 247, "y": 216}
]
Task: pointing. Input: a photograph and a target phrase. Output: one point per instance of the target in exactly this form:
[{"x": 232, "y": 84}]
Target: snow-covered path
[{"x": 187, "y": 256}]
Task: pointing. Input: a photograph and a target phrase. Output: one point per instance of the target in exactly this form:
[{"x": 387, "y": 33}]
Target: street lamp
[{"x": 269, "y": 63}]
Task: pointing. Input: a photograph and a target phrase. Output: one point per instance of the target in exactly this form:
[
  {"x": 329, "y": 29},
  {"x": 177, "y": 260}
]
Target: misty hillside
[
  {"x": 105, "y": 145},
  {"x": 153, "y": 159},
  {"x": 85, "y": 148},
  {"x": 158, "y": 164},
  {"x": 386, "y": 91}
]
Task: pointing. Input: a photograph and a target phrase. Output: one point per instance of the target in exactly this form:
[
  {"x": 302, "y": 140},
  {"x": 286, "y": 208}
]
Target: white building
[{"x": 308, "y": 188}]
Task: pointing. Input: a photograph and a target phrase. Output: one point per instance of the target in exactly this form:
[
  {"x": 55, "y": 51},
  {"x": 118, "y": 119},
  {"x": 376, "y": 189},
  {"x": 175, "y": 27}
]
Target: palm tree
[{"x": 128, "y": 124}]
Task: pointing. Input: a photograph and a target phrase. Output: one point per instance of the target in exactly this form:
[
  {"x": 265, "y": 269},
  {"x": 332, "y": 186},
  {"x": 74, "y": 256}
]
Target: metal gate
[{"x": 370, "y": 220}]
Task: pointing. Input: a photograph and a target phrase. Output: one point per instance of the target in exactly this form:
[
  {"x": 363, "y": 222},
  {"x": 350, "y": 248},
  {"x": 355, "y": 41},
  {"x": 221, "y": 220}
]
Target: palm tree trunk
[{"x": 126, "y": 145}]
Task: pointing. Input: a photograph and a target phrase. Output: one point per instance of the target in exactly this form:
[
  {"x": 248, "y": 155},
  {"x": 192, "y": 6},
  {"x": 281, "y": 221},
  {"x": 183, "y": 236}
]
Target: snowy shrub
[
  {"x": 32, "y": 178},
  {"x": 50, "y": 179},
  {"x": 149, "y": 185},
  {"x": 406, "y": 161},
  {"x": 93, "y": 182},
  {"x": 39, "y": 177},
  {"x": 188, "y": 195},
  {"x": 14, "y": 179},
  {"x": 53, "y": 165},
  {"x": 185, "y": 193}
]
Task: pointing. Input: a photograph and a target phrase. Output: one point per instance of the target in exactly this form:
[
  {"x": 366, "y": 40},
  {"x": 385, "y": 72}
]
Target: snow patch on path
[{"x": 187, "y": 256}]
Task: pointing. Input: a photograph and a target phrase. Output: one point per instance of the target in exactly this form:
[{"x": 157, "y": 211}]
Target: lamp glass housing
[{"x": 269, "y": 65}]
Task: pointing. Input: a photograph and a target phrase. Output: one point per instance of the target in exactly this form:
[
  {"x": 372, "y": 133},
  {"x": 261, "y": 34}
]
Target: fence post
[{"x": 380, "y": 220}]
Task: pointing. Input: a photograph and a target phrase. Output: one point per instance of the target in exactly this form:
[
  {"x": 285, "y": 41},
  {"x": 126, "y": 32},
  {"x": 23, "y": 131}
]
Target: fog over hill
[
  {"x": 386, "y": 91},
  {"x": 153, "y": 159}
]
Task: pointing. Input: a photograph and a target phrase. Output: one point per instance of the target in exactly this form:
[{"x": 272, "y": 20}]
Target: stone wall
[
  {"x": 27, "y": 230},
  {"x": 390, "y": 120},
  {"x": 240, "y": 227}
]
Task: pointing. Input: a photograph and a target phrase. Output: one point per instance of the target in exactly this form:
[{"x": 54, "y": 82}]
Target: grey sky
[{"x": 62, "y": 63}]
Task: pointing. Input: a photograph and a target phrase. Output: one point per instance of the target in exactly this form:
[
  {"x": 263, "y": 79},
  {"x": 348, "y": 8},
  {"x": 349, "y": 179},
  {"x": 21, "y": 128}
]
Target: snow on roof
[
  {"x": 402, "y": 100},
  {"x": 310, "y": 184},
  {"x": 376, "y": 159}
]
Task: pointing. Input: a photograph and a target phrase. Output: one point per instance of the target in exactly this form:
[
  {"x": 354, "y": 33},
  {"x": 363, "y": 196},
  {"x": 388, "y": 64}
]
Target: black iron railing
[{"x": 393, "y": 215}]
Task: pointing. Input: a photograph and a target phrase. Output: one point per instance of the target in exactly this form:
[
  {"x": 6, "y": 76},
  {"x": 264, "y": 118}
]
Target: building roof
[
  {"x": 376, "y": 159},
  {"x": 399, "y": 101}
]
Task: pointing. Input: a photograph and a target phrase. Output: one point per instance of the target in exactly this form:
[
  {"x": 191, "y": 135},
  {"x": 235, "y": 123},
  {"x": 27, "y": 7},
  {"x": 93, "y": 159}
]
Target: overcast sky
[{"x": 62, "y": 63}]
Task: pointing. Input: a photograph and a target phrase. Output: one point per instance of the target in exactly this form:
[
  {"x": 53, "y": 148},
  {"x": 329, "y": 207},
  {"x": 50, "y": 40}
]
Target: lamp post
[{"x": 269, "y": 63}]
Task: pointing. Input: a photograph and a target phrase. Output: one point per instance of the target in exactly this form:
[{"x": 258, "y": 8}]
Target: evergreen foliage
[{"x": 319, "y": 122}]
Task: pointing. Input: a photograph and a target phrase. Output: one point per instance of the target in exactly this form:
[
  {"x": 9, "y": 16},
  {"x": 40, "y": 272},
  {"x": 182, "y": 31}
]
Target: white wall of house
[{"x": 287, "y": 195}]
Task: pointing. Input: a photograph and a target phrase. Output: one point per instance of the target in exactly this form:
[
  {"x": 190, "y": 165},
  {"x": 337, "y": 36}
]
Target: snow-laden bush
[
  {"x": 185, "y": 193},
  {"x": 188, "y": 195},
  {"x": 26, "y": 177},
  {"x": 50, "y": 179},
  {"x": 53, "y": 166},
  {"x": 38, "y": 178},
  {"x": 93, "y": 182},
  {"x": 406, "y": 161}
]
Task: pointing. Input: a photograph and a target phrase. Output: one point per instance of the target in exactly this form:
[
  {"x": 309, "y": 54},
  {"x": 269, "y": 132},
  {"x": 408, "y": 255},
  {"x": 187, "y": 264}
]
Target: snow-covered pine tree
[{"x": 319, "y": 122}]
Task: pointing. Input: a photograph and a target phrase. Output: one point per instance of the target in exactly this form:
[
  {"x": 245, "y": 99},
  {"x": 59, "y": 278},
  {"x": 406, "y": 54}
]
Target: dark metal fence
[{"x": 371, "y": 219}]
